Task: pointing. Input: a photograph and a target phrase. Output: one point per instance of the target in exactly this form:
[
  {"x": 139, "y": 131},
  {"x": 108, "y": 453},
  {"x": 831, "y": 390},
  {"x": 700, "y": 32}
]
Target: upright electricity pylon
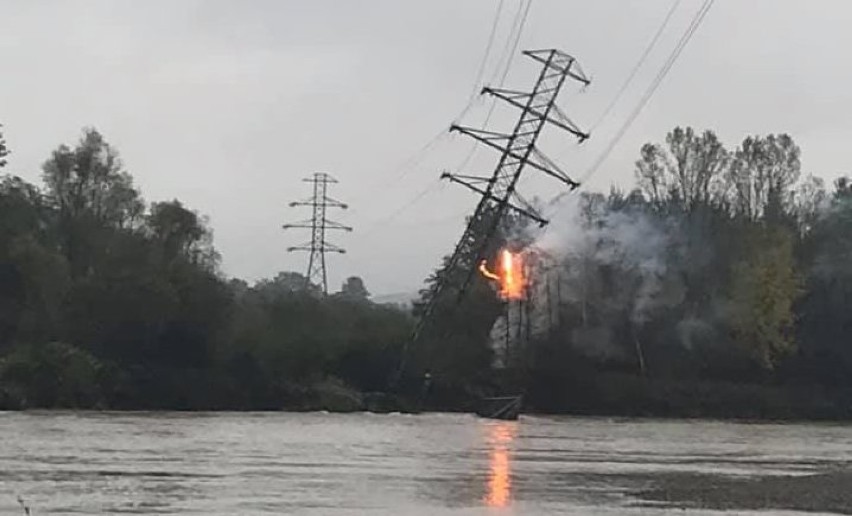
[
  {"x": 318, "y": 224},
  {"x": 517, "y": 152}
]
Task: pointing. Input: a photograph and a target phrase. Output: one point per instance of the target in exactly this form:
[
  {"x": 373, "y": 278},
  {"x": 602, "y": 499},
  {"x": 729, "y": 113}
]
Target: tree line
[
  {"x": 108, "y": 301},
  {"x": 719, "y": 286}
]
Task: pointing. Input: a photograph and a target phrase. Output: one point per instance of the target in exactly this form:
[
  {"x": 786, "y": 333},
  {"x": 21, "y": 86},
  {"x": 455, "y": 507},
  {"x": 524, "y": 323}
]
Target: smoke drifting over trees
[
  {"x": 715, "y": 267},
  {"x": 700, "y": 255}
]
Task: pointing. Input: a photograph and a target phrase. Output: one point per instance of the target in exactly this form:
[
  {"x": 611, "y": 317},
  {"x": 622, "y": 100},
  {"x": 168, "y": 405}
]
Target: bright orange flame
[
  {"x": 513, "y": 275},
  {"x": 499, "y": 476},
  {"x": 483, "y": 268},
  {"x": 510, "y": 275}
]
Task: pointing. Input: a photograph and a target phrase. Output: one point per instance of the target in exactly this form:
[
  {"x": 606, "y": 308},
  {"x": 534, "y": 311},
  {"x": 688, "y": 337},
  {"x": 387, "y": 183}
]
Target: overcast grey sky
[{"x": 227, "y": 105}]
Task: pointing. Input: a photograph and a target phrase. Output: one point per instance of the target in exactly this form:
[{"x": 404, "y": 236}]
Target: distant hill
[{"x": 403, "y": 300}]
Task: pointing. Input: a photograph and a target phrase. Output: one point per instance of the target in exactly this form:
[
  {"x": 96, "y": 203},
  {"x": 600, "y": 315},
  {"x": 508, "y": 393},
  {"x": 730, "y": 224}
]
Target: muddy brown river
[{"x": 72, "y": 463}]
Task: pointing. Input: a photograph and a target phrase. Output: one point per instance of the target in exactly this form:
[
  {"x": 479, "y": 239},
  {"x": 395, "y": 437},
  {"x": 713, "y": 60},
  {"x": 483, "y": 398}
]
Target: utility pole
[
  {"x": 517, "y": 152},
  {"x": 318, "y": 224}
]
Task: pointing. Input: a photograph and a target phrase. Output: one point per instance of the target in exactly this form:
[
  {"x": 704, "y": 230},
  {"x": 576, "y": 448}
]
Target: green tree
[
  {"x": 353, "y": 289},
  {"x": 175, "y": 228},
  {"x": 89, "y": 181},
  {"x": 33, "y": 274},
  {"x": 52, "y": 375},
  {"x": 285, "y": 283},
  {"x": 4, "y": 151},
  {"x": 810, "y": 202},
  {"x": 689, "y": 169},
  {"x": 765, "y": 287},
  {"x": 92, "y": 196},
  {"x": 762, "y": 173},
  {"x": 826, "y": 321}
]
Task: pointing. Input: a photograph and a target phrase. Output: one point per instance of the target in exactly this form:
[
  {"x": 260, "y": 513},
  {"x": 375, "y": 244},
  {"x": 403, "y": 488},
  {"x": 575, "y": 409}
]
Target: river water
[{"x": 436, "y": 464}]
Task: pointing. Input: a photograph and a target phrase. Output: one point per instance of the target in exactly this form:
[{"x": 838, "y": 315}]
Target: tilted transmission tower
[
  {"x": 517, "y": 149},
  {"x": 517, "y": 152},
  {"x": 318, "y": 224}
]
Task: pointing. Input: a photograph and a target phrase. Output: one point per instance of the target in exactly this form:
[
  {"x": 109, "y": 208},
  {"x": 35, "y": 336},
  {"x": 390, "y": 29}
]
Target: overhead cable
[
  {"x": 635, "y": 70},
  {"x": 517, "y": 30},
  {"x": 652, "y": 88}
]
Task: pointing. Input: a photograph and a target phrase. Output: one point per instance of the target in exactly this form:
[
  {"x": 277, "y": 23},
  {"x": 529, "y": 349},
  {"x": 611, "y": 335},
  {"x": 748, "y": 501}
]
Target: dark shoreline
[
  {"x": 820, "y": 492},
  {"x": 613, "y": 417}
]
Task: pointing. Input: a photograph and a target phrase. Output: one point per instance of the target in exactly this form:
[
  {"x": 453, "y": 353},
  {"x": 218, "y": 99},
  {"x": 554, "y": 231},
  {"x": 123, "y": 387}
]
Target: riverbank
[
  {"x": 603, "y": 394},
  {"x": 829, "y": 492},
  {"x": 627, "y": 395}
]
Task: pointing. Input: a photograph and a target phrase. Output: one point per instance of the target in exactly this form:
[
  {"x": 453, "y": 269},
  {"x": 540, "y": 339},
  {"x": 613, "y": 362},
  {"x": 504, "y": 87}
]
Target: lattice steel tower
[
  {"x": 517, "y": 151},
  {"x": 318, "y": 224},
  {"x": 498, "y": 191}
]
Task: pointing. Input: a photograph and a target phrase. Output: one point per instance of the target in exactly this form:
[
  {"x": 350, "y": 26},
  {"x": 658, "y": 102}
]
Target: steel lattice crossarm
[
  {"x": 318, "y": 224},
  {"x": 538, "y": 108},
  {"x": 475, "y": 183}
]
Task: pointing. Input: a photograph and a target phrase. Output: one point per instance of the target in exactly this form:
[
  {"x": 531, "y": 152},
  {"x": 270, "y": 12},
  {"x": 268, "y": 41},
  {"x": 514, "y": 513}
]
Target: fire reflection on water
[{"x": 499, "y": 489}]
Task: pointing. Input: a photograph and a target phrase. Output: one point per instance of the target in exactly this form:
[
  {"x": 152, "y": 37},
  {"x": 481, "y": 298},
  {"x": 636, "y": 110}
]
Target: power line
[
  {"x": 411, "y": 163},
  {"x": 405, "y": 167},
  {"x": 516, "y": 22},
  {"x": 404, "y": 206},
  {"x": 517, "y": 30},
  {"x": 693, "y": 26},
  {"x": 652, "y": 88},
  {"x": 455, "y": 217},
  {"x": 517, "y": 40},
  {"x": 632, "y": 75},
  {"x": 488, "y": 47},
  {"x": 635, "y": 70}
]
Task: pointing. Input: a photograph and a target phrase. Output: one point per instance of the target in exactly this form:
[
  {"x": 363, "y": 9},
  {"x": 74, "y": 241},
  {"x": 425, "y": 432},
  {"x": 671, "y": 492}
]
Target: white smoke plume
[
  {"x": 583, "y": 238},
  {"x": 584, "y": 232}
]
